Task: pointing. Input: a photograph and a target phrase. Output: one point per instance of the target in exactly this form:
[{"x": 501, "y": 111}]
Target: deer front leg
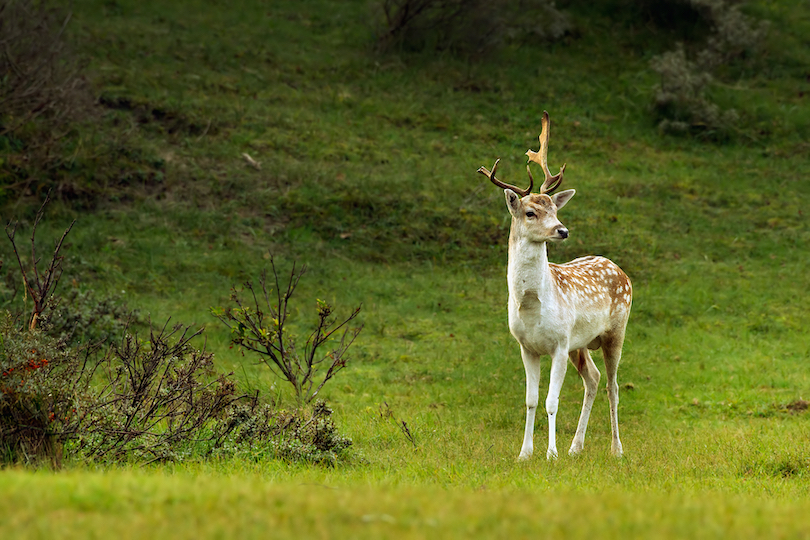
[
  {"x": 531, "y": 362},
  {"x": 559, "y": 362}
]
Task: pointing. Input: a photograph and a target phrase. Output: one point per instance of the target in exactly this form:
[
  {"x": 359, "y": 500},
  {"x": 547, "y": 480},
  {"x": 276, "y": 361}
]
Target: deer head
[{"x": 535, "y": 215}]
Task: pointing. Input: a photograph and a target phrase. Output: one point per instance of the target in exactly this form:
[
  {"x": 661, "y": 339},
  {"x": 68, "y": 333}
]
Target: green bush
[
  {"x": 258, "y": 430},
  {"x": 83, "y": 316},
  {"x": 682, "y": 102},
  {"x": 43, "y": 393}
]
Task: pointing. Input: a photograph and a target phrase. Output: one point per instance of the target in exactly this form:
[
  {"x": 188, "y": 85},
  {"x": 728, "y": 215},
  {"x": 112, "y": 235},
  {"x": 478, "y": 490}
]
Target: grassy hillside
[{"x": 368, "y": 175}]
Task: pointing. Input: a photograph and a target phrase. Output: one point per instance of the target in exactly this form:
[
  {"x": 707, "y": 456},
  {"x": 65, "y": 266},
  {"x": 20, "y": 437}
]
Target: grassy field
[{"x": 368, "y": 176}]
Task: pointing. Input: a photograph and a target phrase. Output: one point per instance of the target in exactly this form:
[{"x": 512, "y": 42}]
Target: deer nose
[{"x": 563, "y": 232}]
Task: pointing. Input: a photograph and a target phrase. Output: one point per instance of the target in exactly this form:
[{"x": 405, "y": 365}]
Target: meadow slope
[{"x": 368, "y": 176}]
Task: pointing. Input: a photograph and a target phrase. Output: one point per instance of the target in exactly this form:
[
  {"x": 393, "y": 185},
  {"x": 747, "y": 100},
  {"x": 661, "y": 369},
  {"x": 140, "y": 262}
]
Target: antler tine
[
  {"x": 491, "y": 175},
  {"x": 551, "y": 185},
  {"x": 551, "y": 182}
]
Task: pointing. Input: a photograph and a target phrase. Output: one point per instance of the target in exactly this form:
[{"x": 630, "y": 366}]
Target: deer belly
[{"x": 587, "y": 331}]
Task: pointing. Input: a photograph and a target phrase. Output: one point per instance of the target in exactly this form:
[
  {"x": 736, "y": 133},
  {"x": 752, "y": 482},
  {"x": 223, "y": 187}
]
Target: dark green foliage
[
  {"x": 83, "y": 316},
  {"x": 153, "y": 400},
  {"x": 387, "y": 225},
  {"x": 257, "y": 430},
  {"x": 471, "y": 28},
  {"x": 42, "y": 94},
  {"x": 42, "y": 393},
  {"x": 682, "y": 101}
]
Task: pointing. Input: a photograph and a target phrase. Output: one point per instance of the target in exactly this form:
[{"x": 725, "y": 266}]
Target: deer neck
[{"x": 528, "y": 268}]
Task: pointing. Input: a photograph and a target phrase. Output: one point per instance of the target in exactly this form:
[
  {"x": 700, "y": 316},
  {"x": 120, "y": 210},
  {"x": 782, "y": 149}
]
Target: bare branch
[
  {"x": 276, "y": 346},
  {"x": 40, "y": 286}
]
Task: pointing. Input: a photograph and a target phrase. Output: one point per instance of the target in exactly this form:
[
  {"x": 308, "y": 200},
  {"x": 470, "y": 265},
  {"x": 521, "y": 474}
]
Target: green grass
[
  {"x": 249, "y": 506},
  {"x": 724, "y": 485},
  {"x": 368, "y": 176}
]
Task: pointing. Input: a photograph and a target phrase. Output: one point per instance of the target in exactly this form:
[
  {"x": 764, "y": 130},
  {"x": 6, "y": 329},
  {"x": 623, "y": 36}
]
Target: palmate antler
[{"x": 550, "y": 184}]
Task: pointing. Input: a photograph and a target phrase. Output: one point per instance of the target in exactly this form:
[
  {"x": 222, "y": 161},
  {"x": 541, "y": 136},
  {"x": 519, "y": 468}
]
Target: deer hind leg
[
  {"x": 581, "y": 359},
  {"x": 531, "y": 362},
  {"x": 612, "y": 349}
]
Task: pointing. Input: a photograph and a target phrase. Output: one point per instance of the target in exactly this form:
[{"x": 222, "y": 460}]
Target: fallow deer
[{"x": 560, "y": 309}]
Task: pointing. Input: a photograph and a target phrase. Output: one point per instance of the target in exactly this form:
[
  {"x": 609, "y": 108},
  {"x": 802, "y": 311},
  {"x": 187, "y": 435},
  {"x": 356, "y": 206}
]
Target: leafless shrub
[
  {"x": 43, "y": 382},
  {"x": 258, "y": 324},
  {"x": 158, "y": 398},
  {"x": 39, "y": 284}
]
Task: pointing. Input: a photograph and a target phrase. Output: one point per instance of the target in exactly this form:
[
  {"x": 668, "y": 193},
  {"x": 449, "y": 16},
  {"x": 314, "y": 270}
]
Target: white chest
[{"x": 544, "y": 317}]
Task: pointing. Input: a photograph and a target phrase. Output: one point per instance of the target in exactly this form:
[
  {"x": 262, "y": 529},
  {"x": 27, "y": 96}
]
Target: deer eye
[{"x": 530, "y": 214}]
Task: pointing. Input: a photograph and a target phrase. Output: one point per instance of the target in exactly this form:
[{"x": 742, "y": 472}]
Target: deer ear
[
  {"x": 512, "y": 202},
  {"x": 559, "y": 199}
]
